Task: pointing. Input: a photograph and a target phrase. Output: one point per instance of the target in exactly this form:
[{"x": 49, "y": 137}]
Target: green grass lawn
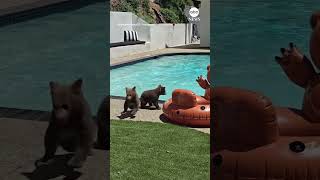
[{"x": 146, "y": 150}]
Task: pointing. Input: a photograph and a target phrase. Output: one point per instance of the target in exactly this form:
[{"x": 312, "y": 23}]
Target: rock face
[
  {"x": 157, "y": 14},
  {"x": 114, "y": 3}
]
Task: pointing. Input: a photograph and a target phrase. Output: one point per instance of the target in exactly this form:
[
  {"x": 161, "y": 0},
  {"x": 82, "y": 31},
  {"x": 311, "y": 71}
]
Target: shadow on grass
[
  {"x": 182, "y": 123},
  {"x": 126, "y": 115},
  {"x": 164, "y": 119},
  {"x": 56, "y": 168},
  {"x": 129, "y": 115},
  {"x": 149, "y": 108}
]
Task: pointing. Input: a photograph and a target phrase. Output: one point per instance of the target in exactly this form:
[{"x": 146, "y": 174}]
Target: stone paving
[
  {"x": 116, "y": 107},
  {"x": 21, "y": 143}
]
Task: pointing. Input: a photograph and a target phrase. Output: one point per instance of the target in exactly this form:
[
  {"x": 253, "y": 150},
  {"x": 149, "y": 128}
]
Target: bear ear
[
  {"x": 208, "y": 67},
  {"x": 52, "y": 85},
  {"x": 77, "y": 85},
  {"x": 127, "y": 89},
  {"x": 134, "y": 88}
]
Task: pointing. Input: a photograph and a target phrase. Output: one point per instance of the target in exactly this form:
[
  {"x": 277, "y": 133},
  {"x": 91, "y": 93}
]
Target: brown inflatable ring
[{"x": 186, "y": 108}]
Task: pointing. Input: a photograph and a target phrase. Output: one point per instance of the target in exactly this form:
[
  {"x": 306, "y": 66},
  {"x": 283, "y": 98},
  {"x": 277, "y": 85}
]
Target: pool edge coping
[{"x": 152, "y": 57}]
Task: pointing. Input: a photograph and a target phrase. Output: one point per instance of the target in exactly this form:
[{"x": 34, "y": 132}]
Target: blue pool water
[
  {"x": 177, "y": 71},
  {"x": 62, "y": 47},
  {"x": 247, "y": 35}
]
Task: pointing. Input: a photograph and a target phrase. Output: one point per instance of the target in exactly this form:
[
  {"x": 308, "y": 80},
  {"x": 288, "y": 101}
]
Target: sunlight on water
[{"x": 173, "y": 72}]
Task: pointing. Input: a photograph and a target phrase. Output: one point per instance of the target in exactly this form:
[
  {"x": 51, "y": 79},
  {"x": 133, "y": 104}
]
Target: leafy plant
[
  {"x": 172, "y": 10},
  {"x": 149, "y": 19},
  {"x": 122, "y": 6},
  {"x": 177, "y": 7},
  {"x": 146, "y": 17},
  {"x": 134, "y": 4},
  {"x": 175, "y": 4},
  {"x": 170, "y": 15},
  {"x": 146, "y": 6}
]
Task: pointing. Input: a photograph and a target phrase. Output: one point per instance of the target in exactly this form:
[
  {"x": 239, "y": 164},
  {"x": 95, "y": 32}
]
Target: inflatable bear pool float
[{"x": 253, "y": 139}]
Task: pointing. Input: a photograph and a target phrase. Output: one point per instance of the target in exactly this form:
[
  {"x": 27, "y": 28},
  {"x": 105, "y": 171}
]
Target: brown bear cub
[
  {"x": 71, "y": 125},
  {"x": 132, "y": 101},
  {"x": 152, "y": 96}
]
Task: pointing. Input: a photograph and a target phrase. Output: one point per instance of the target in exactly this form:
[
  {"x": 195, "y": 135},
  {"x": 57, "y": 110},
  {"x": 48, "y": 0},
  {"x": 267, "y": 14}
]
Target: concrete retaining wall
[
  {"x": 157, "y": 36},
  {"x": 127, "y": 50},
  {"x": 122, "y": 21},
  {"x": 163, "y": 35}
]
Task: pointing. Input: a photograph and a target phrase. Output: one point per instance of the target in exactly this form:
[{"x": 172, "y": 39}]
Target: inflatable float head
[{"x": 315, "y": 38}]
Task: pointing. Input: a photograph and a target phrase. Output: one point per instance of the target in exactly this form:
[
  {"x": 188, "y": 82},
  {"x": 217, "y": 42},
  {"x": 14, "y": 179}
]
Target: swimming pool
[
  {"x": 248, "y": 34},
  {"x": 173, "y": 72},
  {"x": 62, "y": 46}
]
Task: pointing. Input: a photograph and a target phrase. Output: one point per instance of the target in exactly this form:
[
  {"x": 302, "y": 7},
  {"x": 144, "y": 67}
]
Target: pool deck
[
  {"x": 116, "y": 105},
  {"x": 160, "y": 52},
  {"x": 21, "y": 142}
]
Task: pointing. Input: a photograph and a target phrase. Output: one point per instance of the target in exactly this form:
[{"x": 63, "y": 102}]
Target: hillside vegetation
[{"x": 170, "y": 11}]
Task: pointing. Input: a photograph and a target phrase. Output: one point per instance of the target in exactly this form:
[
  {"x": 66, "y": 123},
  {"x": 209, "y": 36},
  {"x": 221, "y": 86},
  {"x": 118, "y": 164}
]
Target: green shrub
[
  {"x": 170, "y": 15},
  {"x": 149, "y": 19},
  {"x": 123, "y": 6},
  {"x": 172, "y": 10},
  {"x": 146, "y": 6},
  {"x": 146, "y": 17},
  {"x": 134, "y": 4},
  {"x": 176, "y": 4},
  {"x": 177, "y": 7}
]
